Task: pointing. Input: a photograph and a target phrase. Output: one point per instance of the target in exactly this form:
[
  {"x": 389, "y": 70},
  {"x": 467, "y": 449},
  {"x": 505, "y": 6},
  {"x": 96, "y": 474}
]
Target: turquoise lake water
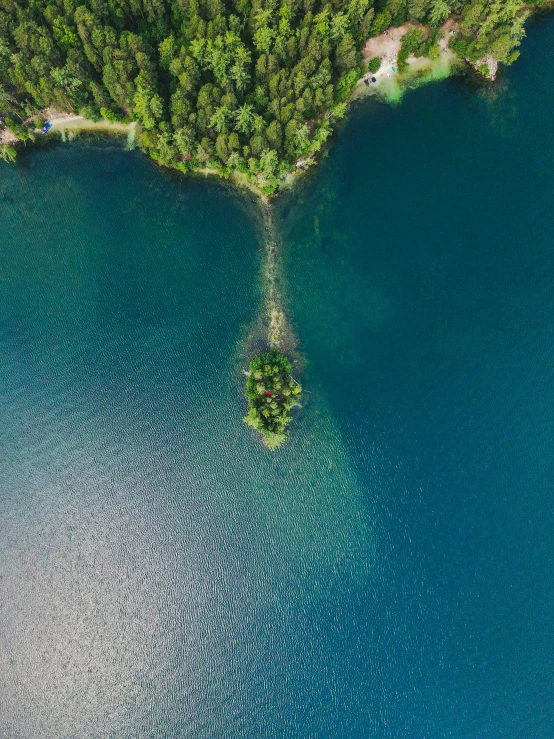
[{"x": 387, "y": 573}]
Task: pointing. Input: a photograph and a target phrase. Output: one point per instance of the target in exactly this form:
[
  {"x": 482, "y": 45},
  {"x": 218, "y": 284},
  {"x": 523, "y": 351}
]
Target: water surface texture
[{"x": 389, "y": 572}]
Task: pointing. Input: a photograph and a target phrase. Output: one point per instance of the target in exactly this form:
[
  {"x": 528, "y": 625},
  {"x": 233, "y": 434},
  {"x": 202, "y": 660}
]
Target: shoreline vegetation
[{"x": 249, "y": 90}]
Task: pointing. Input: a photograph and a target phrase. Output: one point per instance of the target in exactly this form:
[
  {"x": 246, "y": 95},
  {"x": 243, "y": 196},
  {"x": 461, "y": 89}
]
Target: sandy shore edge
[{"x": 61, "y": 121}]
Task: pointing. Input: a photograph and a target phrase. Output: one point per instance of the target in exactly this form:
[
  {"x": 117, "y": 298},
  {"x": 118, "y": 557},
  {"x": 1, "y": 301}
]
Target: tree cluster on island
[
  {"x": 272, "y": 393},
  {"x": 247, "y": 85}
]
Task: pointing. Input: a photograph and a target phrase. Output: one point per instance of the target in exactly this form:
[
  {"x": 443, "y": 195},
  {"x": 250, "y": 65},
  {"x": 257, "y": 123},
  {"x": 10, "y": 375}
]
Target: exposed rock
[{"x": 491, "y": 66}]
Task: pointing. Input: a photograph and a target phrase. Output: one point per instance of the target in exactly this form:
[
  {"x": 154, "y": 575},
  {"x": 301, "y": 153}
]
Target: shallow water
[{"x": 389, "y": 572}]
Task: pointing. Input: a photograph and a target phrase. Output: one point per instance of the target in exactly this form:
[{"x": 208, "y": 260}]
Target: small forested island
[
  {"x": 272, "y": 392},
  {"x": 243, "y": 86}
]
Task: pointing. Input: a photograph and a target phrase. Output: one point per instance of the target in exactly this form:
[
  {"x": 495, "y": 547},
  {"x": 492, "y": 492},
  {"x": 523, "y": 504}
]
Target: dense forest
[
  {"x": 248, "y": 85},
  {"x": 272, "y": 393}
]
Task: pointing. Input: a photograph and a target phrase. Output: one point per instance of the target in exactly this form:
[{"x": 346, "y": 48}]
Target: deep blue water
[{"x": 389, "y": 572}]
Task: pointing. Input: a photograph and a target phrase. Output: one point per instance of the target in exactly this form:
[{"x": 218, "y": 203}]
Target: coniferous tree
[{"x": 241, "y": 83}]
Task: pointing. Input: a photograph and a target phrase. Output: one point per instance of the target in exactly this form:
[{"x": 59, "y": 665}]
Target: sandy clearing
[
  {"x": 7, "y": 137},
  {"x": 387, "y": 46}
]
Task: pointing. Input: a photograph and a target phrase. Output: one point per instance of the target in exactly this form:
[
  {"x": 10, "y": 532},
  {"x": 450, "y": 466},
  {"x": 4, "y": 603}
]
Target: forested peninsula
[{"x": 250, "y": 86}]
